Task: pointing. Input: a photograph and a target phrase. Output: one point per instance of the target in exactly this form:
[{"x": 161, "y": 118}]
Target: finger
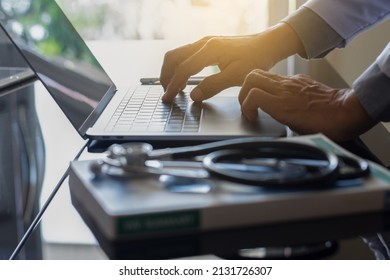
[
  {"x": 270, "y": 75},
  {"x": 258, "y": 98},
  {"x": 305, "y": 79},
  {"x": 301, "y": 79},
  {"x": 216, "y": 83},
  {"x": 175, "y": 57},
  {"x": 208, "y": 55},
  {"x": 262, "y": 80}
]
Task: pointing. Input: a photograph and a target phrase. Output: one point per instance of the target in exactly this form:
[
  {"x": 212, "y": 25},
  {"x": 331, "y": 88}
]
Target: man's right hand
[{"x": 235, "y": 56}]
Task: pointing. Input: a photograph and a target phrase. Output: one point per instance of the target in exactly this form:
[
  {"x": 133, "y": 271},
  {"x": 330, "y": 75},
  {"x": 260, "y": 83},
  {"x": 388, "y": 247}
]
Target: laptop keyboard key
[{"x": 144, "y": 111}]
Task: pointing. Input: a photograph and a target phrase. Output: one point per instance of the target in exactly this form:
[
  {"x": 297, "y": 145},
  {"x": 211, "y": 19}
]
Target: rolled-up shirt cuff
[
  {"x": 372, "y": 89},
  {"x": 316, "y": 35},
  {"x": 350, "y": 17},
  {"x": 383, "y": 60}
]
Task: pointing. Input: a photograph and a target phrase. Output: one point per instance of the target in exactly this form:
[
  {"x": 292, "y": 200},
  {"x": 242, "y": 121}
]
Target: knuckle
[
  {"x": 303, "y": 78},
  {"x": 257, "y": 71},
  {"x": 214, "y": 43},
  {"x": 251, "y": 77},
  {"x": 252, "y": 94},
  {"x": 181, "y": 70},
  {"x": 287, "y": 83},
  {"x": 300, "y": 76},
  {"x": 206, "y": 38},
  {"x": 170, "y": 56}
]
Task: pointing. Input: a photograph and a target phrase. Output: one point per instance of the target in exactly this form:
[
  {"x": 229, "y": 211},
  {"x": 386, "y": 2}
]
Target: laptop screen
[{"x": 60, "y": 58}]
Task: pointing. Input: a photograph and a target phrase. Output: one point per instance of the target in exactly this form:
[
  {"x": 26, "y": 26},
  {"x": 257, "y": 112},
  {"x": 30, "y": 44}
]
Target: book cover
[{"x": 144, "y": 208}]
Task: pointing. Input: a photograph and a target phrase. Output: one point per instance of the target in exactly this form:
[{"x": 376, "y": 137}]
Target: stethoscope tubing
[
  {"x": 301, "y": 165},
  {"x": 319, "y": 176}
]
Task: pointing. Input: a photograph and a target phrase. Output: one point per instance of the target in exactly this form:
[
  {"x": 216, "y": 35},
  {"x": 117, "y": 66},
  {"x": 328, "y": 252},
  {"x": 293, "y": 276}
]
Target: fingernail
[
  {"x": 197, "y": 94},
  {"x": 165, "y": 98}
]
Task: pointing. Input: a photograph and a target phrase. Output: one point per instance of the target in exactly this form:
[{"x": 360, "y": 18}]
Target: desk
[{"x": 62, "y": 234}]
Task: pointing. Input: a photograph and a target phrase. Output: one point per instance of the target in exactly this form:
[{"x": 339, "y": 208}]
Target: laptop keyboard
[{"x": 143, "y": 111}]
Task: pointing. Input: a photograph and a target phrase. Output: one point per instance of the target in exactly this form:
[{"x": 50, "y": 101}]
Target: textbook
[{"x": 144, "y": 208}]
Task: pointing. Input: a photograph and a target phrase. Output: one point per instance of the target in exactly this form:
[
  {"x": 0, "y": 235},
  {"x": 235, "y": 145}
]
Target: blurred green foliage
[{"x": 58, "y": 34}]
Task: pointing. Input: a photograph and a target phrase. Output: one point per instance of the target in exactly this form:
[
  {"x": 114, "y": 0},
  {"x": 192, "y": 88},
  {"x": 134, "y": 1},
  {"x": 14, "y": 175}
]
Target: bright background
[{"x": 165, "y": 19}]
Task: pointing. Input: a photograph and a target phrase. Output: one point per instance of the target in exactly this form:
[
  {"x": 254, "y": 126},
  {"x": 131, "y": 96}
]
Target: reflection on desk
[
  {"x": 22, "y": 158},
  {"x": 22, "y": 168}
]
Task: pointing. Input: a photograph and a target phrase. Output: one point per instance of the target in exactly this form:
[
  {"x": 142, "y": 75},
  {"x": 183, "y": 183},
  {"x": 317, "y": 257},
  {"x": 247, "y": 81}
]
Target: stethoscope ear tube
[{"x": 293, "y": 162}]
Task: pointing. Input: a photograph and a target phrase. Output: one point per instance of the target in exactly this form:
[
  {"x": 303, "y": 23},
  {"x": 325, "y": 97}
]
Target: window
[{"x": 165, "y": 19}]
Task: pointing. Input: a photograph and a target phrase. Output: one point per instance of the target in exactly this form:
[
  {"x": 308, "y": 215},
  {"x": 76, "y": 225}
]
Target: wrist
[{"x": 279, "y": 42}]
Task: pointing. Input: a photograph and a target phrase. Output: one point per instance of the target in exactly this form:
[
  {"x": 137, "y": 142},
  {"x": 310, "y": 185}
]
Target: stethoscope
[{"x": 248, "y": 161}]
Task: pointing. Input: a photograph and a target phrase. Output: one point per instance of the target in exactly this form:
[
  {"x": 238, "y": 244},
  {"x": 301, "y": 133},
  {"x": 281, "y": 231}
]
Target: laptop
[{"x": 102, "y": 112}]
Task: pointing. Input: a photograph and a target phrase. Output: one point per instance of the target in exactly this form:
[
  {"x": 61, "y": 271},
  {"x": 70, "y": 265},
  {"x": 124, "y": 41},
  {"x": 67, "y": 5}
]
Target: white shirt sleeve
[
  {"x": 317, "y": 36},
  {"x": 383, "y": 60},
  {"x": 325, "y": 24},
  {"x": 350, "y": 17},
  {"x": 373, "y": 87}
]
